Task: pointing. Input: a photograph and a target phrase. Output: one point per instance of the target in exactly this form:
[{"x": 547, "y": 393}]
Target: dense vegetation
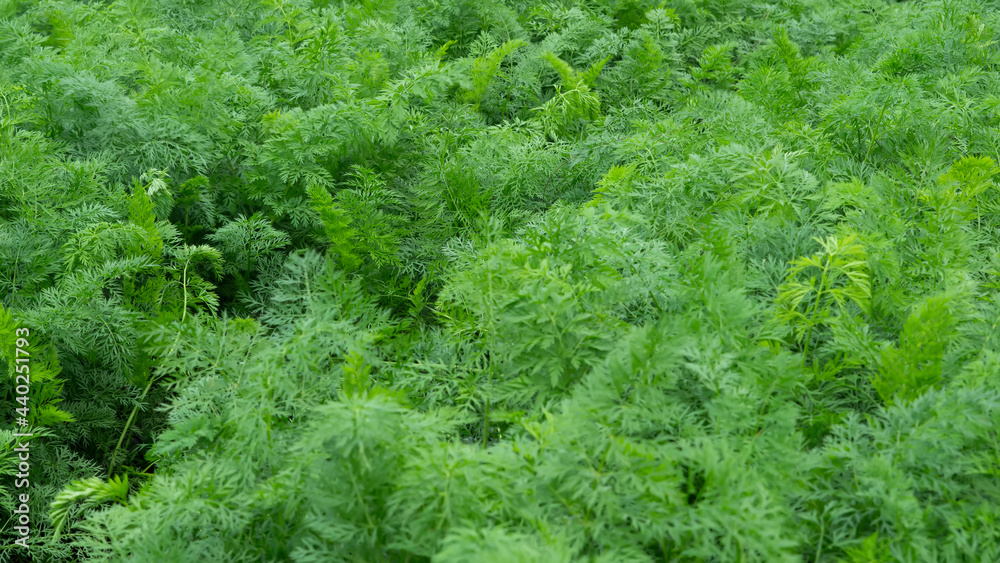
[{"x": 503, "y": 280}]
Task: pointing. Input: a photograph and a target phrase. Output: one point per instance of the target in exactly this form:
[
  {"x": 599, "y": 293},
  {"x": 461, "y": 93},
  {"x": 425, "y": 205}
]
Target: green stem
[
  {"x": 822, "y": 531},
  {"x": 489, "y": 367},
  {"x": 128, "y": 423},
  {"x": 135, "y": 409},
  {"x": 874, "y": 132},
  {"x": 184, "y": 289},
  {"x": 812, "y": 314},
  {"x": 486, "y": 425}
]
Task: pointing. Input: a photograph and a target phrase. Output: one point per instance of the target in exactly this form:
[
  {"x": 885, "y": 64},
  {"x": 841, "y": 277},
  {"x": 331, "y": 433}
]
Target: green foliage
[
  {"x": 89, "y": 493},
  {"x": 41, "y": 373},
  {"x": 336, "y": 223},
  {"x": 780, "y": 78},
  {"x": 915, "y": 366},
  {"x": 250, "y": 249},
  {"x": 548, "y": 310},
  {"x": 568, "y": 112},
  {"x": 837, "y": 277},
  {"x": 484, "y": 68},
  {"x": 502, "y": 280}
]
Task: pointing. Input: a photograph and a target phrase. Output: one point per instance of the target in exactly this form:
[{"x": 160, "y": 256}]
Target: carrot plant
[{"x": 499, "y": 280}]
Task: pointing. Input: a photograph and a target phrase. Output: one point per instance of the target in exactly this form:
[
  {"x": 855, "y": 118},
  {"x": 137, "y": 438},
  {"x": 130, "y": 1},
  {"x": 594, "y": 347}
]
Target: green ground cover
[{"x": 501, "y": 280}]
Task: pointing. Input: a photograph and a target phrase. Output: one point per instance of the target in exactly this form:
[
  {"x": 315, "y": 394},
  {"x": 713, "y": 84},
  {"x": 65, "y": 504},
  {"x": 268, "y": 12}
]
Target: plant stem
[
  {"x": 135, "y": 409},
  {"x": 128, "y": 423},
  {"x": 812, "y": 314}
]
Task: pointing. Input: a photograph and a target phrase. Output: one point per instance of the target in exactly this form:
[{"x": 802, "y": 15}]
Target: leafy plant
[
  {"x": 501, "y": 280},
  {"x": 837, "y": 277},
  {"x": 915, "y": 366},
  {"x": 573, "y": 106},
  {"x": 89, "y": 493}
]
